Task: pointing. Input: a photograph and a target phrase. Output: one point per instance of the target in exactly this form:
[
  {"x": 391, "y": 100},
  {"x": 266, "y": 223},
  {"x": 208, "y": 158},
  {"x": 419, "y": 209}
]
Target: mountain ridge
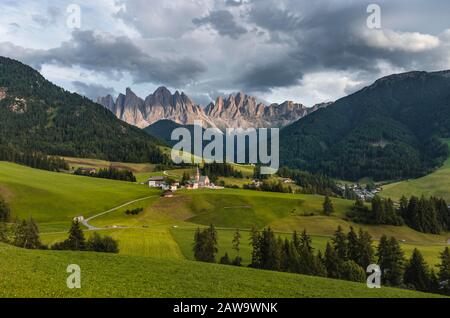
[
  {"x": 234, "y": 111},
  {"x": 388, "y": 130},
  {"x": 38, "y": 116}
]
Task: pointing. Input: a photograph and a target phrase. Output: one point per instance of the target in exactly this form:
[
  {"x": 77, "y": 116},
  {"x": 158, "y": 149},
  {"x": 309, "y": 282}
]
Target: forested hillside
[
  {"x": 38, "y": 116},
  {"x": 388, "y": 130}
]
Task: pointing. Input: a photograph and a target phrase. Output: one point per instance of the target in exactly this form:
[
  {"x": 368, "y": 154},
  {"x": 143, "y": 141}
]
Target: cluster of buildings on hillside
[
  {"x": 361, "y": 191},
  {"x": 197, "y": 182}
]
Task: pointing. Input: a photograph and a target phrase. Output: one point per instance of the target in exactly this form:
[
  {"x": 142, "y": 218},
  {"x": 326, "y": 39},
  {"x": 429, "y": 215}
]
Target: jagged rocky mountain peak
[{"x": 237, "y": 110}]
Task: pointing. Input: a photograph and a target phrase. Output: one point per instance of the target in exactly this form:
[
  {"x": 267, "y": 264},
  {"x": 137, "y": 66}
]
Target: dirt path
[{"x": 85, "y": 222}]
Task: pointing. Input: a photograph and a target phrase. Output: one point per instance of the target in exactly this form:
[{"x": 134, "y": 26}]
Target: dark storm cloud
[
  {"x": 223, "y": 22},
  {"x": 270, "y": 46},
  {"x": 323, "y": 35},
  {"x": 92, "y": 91},
  {"x": 113, "y": 56},
  {"x": 267, "y": 75}
]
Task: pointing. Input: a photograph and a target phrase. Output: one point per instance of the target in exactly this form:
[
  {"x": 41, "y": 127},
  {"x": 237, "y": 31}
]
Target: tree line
[
  {"x": 346, "y": 257},
  {"x": 269, "y": 186},
  {"x": 33, "y": 159},
  {"x": 424, "y": 215},
  {"x": 21, "y": 233},
  {"x": 108, "y": 173},
  {"x": 311, "y": 183},
  {"x": 77, "y": 242}
]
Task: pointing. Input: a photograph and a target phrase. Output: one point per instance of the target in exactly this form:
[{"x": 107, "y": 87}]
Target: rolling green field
[
  {"x": 31, "y": 273},
  {"x": 158, "y": 241},
  {"x": 434, "y": 184},
  {"x": 54, "y": 199}
]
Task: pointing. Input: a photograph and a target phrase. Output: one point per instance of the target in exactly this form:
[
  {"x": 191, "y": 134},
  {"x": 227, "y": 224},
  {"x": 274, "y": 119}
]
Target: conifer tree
[
  {"x": 340, "y": 243},
  {"x": 404, "y": 207},
  {"x": 236, "y": 246},
  {"x": 328, "y": 208},
  {"x": 365, "y": 249},
  {"x": 321, "y": 270},
  {"x": 293, "y": 258},
  {"x": 237, "y": 241},
  {"x": 332, "y": 262},
  {"x": 270, "y": 251},
  {"x": 255, "y": 242},
  {"x": 378, "y": 210},
  {"x": 391, "y": 260},
  {"x": 305, "y": 242},
  {"x": 296, "y": 240},
  {"x": 353, "y": 245},
  {"x": 417, "y": 273},
  {"x": 26, "y": 234},
  {"x": 444, "y": 270},
  {"x": 76, "y": 240},
  {"x": 205, "y": 245}
]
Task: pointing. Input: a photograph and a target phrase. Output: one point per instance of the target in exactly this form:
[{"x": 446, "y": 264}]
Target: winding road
[{"x": 85, "y": 222}]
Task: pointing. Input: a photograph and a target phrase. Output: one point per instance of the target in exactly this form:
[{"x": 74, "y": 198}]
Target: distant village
[
  {"x": 362, "y": 192},
  {"x": 197, "y": 182}
]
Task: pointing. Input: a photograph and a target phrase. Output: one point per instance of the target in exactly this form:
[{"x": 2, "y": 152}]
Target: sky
[{"x": 300, "y": 50}]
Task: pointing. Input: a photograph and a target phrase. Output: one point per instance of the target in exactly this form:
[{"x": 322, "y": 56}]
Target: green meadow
[
  {"x": 158, "y": 241},
  {"x": 54, "y": 199},
  {"x": 32, "y": 273},
  {"x": 434, "y": 184}
]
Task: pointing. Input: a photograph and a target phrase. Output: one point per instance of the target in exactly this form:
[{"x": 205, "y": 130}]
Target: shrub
[{"x": 105, "y": 244}]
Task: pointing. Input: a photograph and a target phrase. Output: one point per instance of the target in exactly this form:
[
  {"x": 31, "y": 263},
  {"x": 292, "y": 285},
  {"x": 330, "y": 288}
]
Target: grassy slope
[
  {"x": 132, "y": 276},
  {"x": 95, "y": 163},
  {"x": 237, "y": 209},
  {"x": 434, "y": 184},
  {"x": 153, "y": 234},
  {"x": 55, "y": 198}
]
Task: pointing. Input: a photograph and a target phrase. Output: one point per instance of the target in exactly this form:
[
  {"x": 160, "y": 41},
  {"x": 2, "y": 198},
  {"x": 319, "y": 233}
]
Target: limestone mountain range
[{"x": 235, "y": 111}]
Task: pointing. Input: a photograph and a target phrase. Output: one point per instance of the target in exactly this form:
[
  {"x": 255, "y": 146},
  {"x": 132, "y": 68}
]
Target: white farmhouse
[{"x": 156, "y": 182}]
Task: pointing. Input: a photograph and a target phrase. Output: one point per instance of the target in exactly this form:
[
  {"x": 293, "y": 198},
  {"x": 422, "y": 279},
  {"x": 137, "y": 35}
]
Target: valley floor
[{"x": 156, "y": 255}]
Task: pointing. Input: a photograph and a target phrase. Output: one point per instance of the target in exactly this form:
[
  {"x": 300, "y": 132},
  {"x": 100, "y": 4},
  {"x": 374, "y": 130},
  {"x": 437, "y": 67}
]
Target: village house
[
  {"x": 156, "y": 182},
  {"x": 168, "y": 194}
]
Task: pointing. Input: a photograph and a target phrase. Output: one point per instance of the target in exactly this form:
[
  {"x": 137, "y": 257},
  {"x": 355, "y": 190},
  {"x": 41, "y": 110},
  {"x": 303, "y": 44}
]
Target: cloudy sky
[{"x": 301, "y": 50}]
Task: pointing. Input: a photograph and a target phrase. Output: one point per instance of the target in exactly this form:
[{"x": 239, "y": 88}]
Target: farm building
[
  {"x": 156, "y": 182},
  {"x": 168, "y": 194}
]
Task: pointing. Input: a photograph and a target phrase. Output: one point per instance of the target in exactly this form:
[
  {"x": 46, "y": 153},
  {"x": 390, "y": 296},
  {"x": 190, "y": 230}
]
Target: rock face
[
  {"x": 234, "y": 111},
  {"x": 244, "y": 111}
]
